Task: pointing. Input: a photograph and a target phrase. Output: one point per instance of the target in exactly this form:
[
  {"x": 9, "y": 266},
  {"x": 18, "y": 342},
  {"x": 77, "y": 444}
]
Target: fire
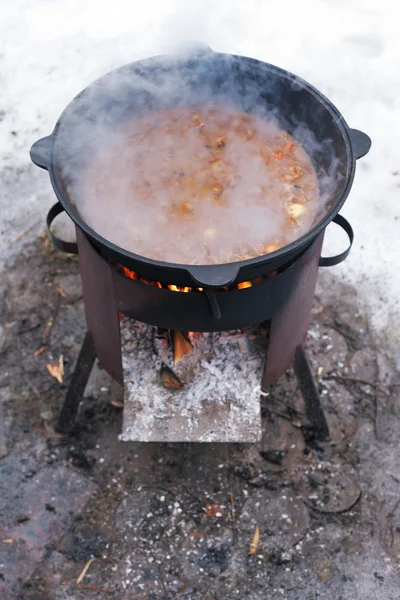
[
  {"x": 129, "y": 273},
  {"x": 193, "y": 335},
  {"x": 243, "y": 285},
  {"x": 177, "y": 288},
  {"x": 136, "y": 277}
]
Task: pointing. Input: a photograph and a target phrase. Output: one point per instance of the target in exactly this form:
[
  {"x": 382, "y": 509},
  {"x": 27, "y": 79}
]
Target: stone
[
  {"x": 363, "y": 365},
  {"x": 324, "y": 570}
]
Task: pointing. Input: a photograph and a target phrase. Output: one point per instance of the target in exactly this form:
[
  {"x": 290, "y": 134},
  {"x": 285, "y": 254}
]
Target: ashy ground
[{"x": 180, "y": 521}]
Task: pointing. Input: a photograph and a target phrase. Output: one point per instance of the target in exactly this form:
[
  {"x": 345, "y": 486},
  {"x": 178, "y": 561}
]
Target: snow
[{"x": 349, "y": 49}]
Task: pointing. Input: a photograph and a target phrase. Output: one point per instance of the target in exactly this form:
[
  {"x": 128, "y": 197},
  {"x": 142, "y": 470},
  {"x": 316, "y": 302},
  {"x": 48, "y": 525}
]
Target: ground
[{"x": 177, "y": 521}]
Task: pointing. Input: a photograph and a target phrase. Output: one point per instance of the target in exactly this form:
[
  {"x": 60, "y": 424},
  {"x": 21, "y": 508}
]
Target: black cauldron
[{"x": 202, "y": 76}]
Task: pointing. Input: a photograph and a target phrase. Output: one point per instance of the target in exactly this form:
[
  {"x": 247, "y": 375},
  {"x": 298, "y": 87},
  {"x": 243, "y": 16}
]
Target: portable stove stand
[{"x": 106, "y": 293}]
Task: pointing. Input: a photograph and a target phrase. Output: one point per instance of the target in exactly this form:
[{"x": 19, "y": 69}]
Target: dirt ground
[{"x": 180, "y": 521}]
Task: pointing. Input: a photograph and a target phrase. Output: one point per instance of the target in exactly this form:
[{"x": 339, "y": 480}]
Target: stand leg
[
  {"x": 83, "y": 368},
  {"x": 314, "y": 411}
]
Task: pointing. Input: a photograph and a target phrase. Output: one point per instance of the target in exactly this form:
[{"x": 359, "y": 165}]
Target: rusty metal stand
[
  {"x": 81, "y": 374},
  {"x": 318, "y": 426}
]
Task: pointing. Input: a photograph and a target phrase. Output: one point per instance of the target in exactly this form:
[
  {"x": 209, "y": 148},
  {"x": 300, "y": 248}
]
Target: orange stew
[{"x": 201, "y": 186}]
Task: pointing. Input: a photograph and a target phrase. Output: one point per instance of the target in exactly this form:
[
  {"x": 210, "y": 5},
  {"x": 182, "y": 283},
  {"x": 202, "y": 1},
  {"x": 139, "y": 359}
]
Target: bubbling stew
[{"x": 200, "y": 186}]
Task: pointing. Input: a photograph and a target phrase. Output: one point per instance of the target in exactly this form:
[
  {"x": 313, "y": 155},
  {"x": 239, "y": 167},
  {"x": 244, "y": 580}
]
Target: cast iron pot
[{"x": 201, "y": 77}]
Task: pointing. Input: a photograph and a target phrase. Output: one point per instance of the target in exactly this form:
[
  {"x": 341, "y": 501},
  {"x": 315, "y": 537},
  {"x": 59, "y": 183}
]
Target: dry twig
[
  {"x": 255, "y": 540},
  {"x": 17, "y": 237},
  {"x": 61, "y": 291},
  {"x": 40, "y": 351},
  {"x": 85, "y": 569},
  {"x": 48, "y": 434}
]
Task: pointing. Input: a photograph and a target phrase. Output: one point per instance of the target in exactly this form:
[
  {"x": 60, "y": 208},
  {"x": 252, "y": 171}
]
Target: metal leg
[
  {"x": 315, "y": 414},
  {"x": 83, "y": 368}
]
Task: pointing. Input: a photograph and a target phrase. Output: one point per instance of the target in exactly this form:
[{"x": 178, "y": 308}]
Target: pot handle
[
  {"x": 330, "y": 261},
  {"x": 40, "y": 152},
  {"x": 361, "y": 143},
  {"x": 68, "y": 247},
  {"x": 213, "y": 276},
  {"x": 213, "y": 303}
]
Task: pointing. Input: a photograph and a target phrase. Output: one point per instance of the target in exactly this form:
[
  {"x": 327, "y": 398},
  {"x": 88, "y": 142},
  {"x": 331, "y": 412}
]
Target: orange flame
[
  {"x": 176, "y": 288},
  {"x": 243, "y": 285},
  {"x": 136, "y": 277}
]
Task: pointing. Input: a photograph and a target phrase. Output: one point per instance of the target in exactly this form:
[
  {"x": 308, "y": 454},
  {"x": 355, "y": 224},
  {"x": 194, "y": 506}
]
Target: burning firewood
[
  {"x": 169, "y": 379},
  {"x": 181, "y": 346}
]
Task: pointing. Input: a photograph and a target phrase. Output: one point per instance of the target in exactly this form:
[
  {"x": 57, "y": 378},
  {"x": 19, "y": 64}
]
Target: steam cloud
[{"x": 186, "y": 77}]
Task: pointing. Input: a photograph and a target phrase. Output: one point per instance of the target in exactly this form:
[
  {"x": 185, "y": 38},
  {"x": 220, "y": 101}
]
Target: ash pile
[{"x": 195, "y": 387}]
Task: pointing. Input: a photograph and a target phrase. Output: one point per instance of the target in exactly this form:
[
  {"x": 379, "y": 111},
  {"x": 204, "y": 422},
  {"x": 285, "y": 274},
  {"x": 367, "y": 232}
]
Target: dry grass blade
[
  {"x": 48, "y": 434},
  {"x": 20, "y": 235},
  {"x": 85, "y": 570},
  {"x": 56, "y": 369},
  {"x": 117, "y": 403},
  {"x": 61, "y": 291},
  {"x": 255, "y": 540},
  {"x": 181, "y": 346},
  {"x": 8, "y": 541}
]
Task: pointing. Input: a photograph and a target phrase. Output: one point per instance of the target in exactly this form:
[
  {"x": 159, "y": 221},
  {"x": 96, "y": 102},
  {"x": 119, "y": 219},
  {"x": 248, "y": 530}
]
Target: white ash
[{"x": 220, "y": 397}]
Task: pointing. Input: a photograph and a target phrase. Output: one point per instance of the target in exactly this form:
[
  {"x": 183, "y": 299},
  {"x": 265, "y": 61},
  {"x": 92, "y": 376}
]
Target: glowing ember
[
  {"x": 243, "y": 285},
  {"x": 193, "y": 335},
  {"x": 130, "y": 274}
]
